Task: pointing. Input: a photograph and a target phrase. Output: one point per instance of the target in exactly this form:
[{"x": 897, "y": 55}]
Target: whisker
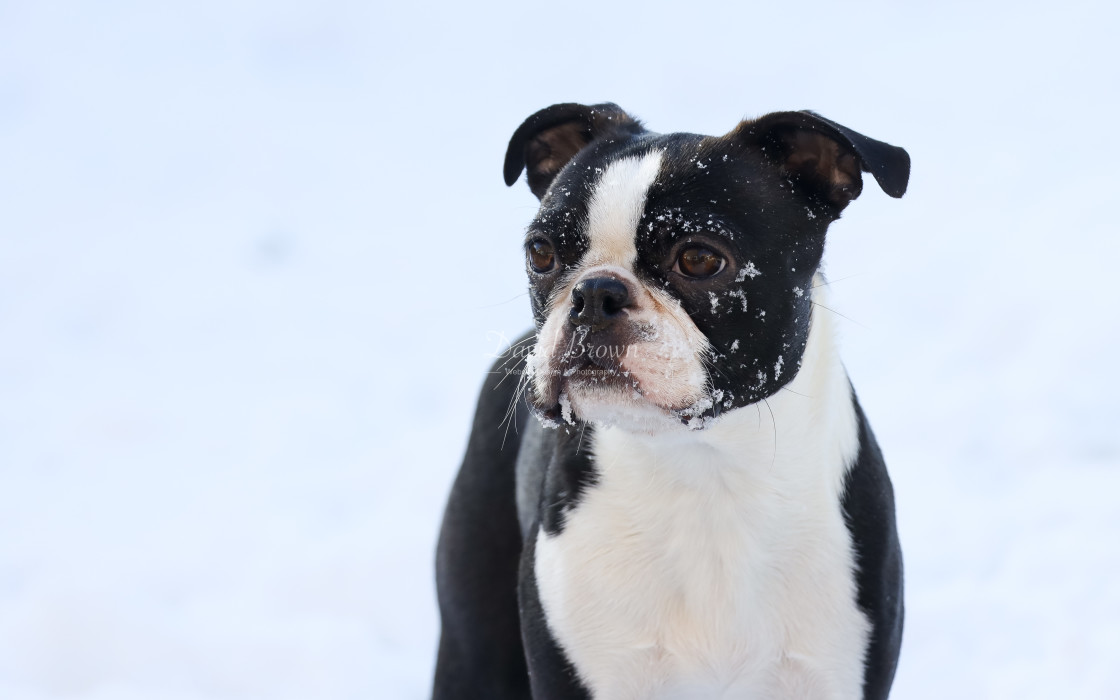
[
  {"x": 523, "y": 341},
  {"x": 514, "y": 357},
  {"x": 511, "y": 410},
  {"x": 710, "y": 363},
  {"x": 490, "y": 306},
  {"x": 822, "y": 306},
  {"x": 503, "y": 379},
  {"x": 773, "y": 422},
  {"x": 786, "y": 388},
  {"x": 858, "y": 274}
]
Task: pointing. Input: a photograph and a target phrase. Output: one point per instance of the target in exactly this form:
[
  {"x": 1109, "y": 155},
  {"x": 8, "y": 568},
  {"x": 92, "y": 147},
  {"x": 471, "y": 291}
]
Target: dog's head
[{"x": 671, "y": 275}]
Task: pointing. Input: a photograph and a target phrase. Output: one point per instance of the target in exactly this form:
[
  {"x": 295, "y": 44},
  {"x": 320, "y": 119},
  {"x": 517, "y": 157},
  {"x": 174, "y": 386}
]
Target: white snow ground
[{"x": 250, "y": 257}]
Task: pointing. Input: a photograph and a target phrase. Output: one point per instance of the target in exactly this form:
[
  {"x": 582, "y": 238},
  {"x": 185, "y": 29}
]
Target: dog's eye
[
  {"x": 699, "y": 262},
  {"x": 542, "y": 257}
]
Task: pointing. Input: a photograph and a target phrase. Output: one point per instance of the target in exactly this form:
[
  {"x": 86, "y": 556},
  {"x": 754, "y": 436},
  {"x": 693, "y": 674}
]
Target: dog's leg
[
  {"x": 553, "y": 676},
  {"x": 480, "y": 650},
  {"x": 563, "y": 471}
]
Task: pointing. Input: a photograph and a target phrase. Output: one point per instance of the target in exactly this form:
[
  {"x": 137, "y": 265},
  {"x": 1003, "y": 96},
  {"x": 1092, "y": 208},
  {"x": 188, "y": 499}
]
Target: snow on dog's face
[{"x": 670, "y": 276}]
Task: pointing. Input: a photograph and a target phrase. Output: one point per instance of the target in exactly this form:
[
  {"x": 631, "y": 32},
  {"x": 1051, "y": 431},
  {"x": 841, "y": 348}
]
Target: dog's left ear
[
  {"x": 546, "y": 141},
  {"x": 827, "y": 158}
]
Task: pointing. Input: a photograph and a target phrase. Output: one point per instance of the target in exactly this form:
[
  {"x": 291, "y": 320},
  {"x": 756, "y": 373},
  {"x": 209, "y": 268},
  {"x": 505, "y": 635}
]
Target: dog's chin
[
  {"x": 609, "y": 408},
  {"x": 618, "y": 401}
]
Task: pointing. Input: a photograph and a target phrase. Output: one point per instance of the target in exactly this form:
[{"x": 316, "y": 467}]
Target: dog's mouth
[
  {"x": 616, "y": 378},
  {"x": 595, "y": 369}
]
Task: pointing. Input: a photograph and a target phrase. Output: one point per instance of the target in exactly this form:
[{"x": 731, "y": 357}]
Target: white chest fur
[{"x": 716, "y": 564}]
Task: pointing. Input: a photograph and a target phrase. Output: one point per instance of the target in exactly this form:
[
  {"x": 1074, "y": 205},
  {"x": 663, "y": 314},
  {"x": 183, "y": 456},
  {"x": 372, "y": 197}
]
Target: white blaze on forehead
[{"x": 616, "y": 207}]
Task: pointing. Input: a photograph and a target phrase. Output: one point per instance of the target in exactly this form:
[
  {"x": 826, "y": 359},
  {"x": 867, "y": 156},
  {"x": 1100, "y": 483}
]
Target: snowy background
[{"x": 252, "y": 256}]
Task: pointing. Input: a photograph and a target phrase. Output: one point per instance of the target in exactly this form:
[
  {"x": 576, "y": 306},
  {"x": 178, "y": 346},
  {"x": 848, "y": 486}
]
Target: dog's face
[{"x": 671, "y": 275}]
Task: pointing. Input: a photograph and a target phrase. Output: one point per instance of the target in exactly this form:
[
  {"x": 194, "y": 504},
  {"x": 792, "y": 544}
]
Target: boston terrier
[{"x": 670, "y": 490}]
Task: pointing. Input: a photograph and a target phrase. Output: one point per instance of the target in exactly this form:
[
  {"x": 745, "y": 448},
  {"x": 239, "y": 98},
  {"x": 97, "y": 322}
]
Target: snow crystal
[
  {"x": 740, "y": 295},
  {"x": 566, "y": 409},
  {"x": 748, "y": 270}
]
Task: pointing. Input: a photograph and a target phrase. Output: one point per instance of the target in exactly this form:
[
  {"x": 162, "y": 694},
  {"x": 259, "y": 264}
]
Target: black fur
[
  {"x": 546, "y": 141},
  {"x": 869, "y": 513},
  {"x": 890, "y": 165},
  {"x": 570, "y": 473},
  {"x": 477, "y": 559}
]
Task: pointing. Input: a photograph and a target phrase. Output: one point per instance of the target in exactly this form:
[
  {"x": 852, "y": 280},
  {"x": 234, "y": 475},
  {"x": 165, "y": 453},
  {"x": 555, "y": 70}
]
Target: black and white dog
[{"x": 701, "y": 510}]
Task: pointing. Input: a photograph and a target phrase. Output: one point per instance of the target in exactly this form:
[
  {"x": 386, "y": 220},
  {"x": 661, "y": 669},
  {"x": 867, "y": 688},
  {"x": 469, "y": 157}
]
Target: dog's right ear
[
  {"x": 546, "y": 141},
  {"x": 825, "y": 158}
]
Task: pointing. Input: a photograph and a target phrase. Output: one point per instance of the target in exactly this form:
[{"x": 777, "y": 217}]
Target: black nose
[{"x": 598, "y": 301}]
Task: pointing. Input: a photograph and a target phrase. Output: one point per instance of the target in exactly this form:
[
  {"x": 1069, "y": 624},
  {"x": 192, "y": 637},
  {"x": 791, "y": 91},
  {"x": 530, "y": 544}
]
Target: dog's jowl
[{"x": 670, "y": 490}]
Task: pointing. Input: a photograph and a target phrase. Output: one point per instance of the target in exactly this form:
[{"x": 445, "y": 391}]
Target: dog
[{"x": 699, "y": 508}]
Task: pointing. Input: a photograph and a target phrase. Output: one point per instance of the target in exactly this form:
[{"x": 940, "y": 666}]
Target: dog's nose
[{"x": 598, "y": 301}]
